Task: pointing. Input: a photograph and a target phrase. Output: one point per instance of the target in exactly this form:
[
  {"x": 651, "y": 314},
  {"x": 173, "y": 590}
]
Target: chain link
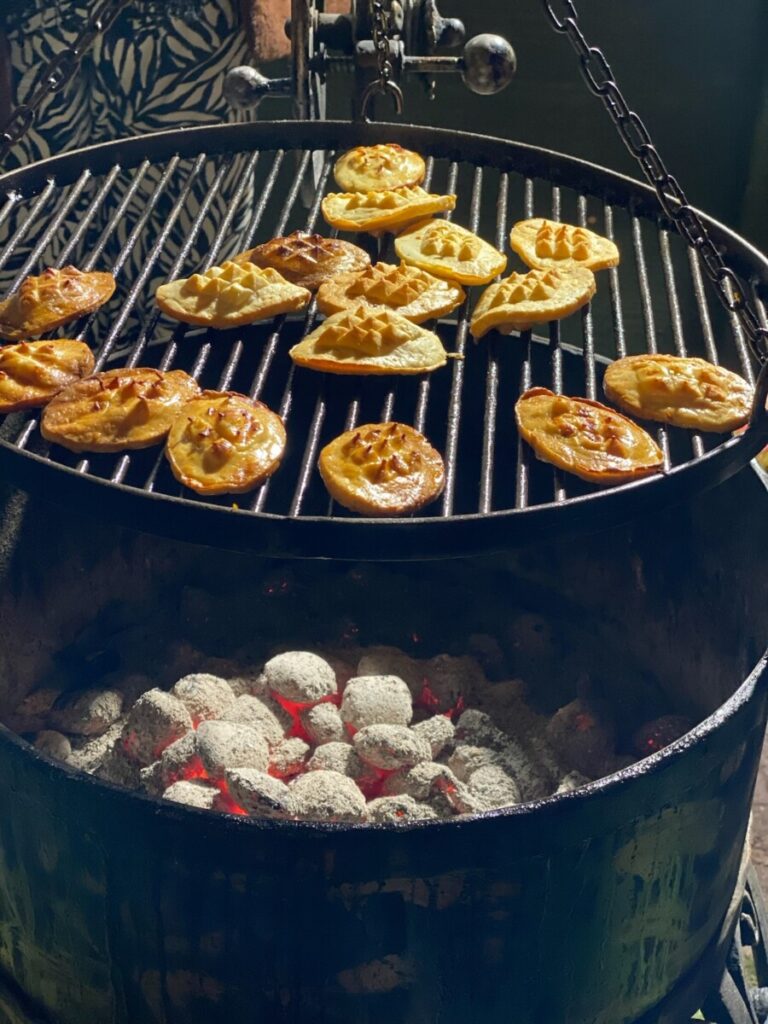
[
  {"x": 384, "y": 84},
  {"x": 598, "y": 75},
  {"x": 57, "y": 73}
]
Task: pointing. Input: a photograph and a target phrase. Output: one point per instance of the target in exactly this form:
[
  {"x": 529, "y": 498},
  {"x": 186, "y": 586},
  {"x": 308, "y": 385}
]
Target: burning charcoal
[
  {"x": 180, "y": 760},
  {"x": 467, "y": 759},
  {"x": 89, "y": 752},
  {"x": 390, "y": 746},
  {"x": 223, "y": 745},
  {"x": 479, "y": 730},
  {"x": 582, "y": 741},
  {"x": 155, "y": 721},
  {"x": 324, "y": 724},
  {"x": 115, "y": 767},
  {"x": 300, "y": 677},
  {"x": 241, "y": 678},
  {"x": 422, "y": 781},
  {"x": 288, "y": 758},
  {"x": 86, "y": 712},
  {"x": 492, "y": 787},
  {"x": 263, "y": 714},
  {"x": 152, "y": 780},
  {"x": 391, "y": 661},
  {"x": 193, "y": 793},
  {"x": 327, "y": 796},
  {"x": 32, "y": 714},
  {"x": 205, "y": 695},
  {"x": 398, "y": 810},
  {"x": 659, "y": 733},
  {"x": 533, "y": 780},
  {"x": 260, "y": 794},
  {"x": 450, "y": 679},
  {"x": 571, "y": 781},
  {"x": 376, "y": 700},
  {"x": 54, "y": 744},
  {"x": 437, "y": 731},
  {"x": 337, "y": 757}
]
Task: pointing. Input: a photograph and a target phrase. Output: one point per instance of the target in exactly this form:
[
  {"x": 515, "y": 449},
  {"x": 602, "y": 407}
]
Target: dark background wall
[{"x": 693, "y": 69}]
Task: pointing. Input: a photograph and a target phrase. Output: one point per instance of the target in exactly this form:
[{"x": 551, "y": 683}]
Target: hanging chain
[
  {"x": 599, "y": 77},
  {"x": 57, "y": 73},
  {"x": 384, "y": 83}
]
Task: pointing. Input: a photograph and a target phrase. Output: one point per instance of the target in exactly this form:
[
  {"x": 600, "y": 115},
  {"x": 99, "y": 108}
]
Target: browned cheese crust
[
  {"x": 32, "y": 372},
  {"x": 224, "y": 443},
  {"x": 683, "y": 391},
  {"x": 117, "y": 409},
  {"x": 386, "y": 165},
  {"x": 408, "y": 291},
  {"x": 51, "y": 299},
  {"x": 382, "y": 469},
  {"x": 586, "y": 438},
  {"x": 307, "y": 260}
]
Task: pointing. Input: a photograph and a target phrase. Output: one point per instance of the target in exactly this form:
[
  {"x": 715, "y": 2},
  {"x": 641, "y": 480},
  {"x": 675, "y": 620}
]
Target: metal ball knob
[
  {"x": 245, "y": 87},
  {"x": 489, "y": 64}
]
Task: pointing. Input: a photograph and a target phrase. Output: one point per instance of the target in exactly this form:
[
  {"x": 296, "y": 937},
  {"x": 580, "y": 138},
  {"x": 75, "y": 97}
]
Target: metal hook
[{"x": 377, "y": 86}]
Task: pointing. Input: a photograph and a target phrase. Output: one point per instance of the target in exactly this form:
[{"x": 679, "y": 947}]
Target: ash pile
[{"x": 370, "y": 735}]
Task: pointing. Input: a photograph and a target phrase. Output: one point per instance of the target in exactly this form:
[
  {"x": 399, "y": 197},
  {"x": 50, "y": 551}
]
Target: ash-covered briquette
[
  {"x": 260, "y": 794},
  {"x": 468, "y": 758},
  {"x": 438, "y": 731},
  {"x": 151, "y": 779},
  {"x": 155, "y": 721},
  {"x": 399, "y": 810},
  {"x": 421, "y": 781},
  {"x": 390, "y": 747},
  {"x": 178, "y": 759},
  {"x": 263, "y": 714},
  {"x": 376, "y": 700},
  {"x": 479, "y": 730},
  {"x": 88, "y": 752},
  {"x": 193, "y": 793},
  {"x": 224, "y": 745},
  {"x": 300, "y": 677},
  {"x": 582, "y": 737},
  {"x": 115, "y": 766},
  {"x": 205, "y": 695},
  {"x": 54, "y": 744},
  {"x": 323, "y": 724},
  {"x": 492, "y": 787},
  {"x": 86, "y": 712},
  {"x": 327, "y": 796},
  {"x": 288, "y": 758},
  {"x": 337, "y": 757},
  {"x": 391, "y": 661}
]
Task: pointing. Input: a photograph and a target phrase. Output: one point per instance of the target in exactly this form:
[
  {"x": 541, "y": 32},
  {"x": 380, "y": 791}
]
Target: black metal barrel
[{"x": 603, "y": 906}]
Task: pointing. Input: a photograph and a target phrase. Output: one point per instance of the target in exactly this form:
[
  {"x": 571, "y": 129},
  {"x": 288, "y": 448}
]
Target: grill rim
[{"x": 397, "y": 539}]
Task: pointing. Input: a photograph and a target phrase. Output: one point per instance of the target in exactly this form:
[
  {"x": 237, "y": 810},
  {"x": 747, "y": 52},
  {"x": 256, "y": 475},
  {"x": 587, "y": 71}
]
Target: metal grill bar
[{"x": 650, "y": 302}]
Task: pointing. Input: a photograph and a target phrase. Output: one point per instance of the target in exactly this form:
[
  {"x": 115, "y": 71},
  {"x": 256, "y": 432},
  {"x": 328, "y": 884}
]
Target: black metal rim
[{"x": 308, "y": 536}]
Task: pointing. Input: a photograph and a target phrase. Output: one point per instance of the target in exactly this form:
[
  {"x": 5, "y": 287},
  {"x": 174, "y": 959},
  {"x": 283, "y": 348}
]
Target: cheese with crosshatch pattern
[
  {"x": 224, "y": 443},
  {"x": 306, "y": 259},
  {"x": 382, "y": 210},
  {"x": 386, "y": 165},
  {"x": 547, "y": 243},
  {"x": 32, "y": 372},
  {"x": 382, "y": 469},
  {"x": 449, "y": 251},
  {"x": 586, "y": 438},
  {"x": 522, "y": 300},
  {"x": 231, "y": 295},
  {"x": 363, "y": 341},
  {"x": 52, "y": 299},
  {"x": 409, "y": 291}
]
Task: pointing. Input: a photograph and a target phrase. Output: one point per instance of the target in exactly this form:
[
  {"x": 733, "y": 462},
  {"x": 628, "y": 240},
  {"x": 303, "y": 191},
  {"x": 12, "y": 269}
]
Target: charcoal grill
[
  {"x": 497, "y": 495},
  {"x": 613, "y": 904}
]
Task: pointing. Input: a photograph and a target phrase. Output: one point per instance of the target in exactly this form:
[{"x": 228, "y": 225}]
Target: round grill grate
[{"x": 165, "y": 205}]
